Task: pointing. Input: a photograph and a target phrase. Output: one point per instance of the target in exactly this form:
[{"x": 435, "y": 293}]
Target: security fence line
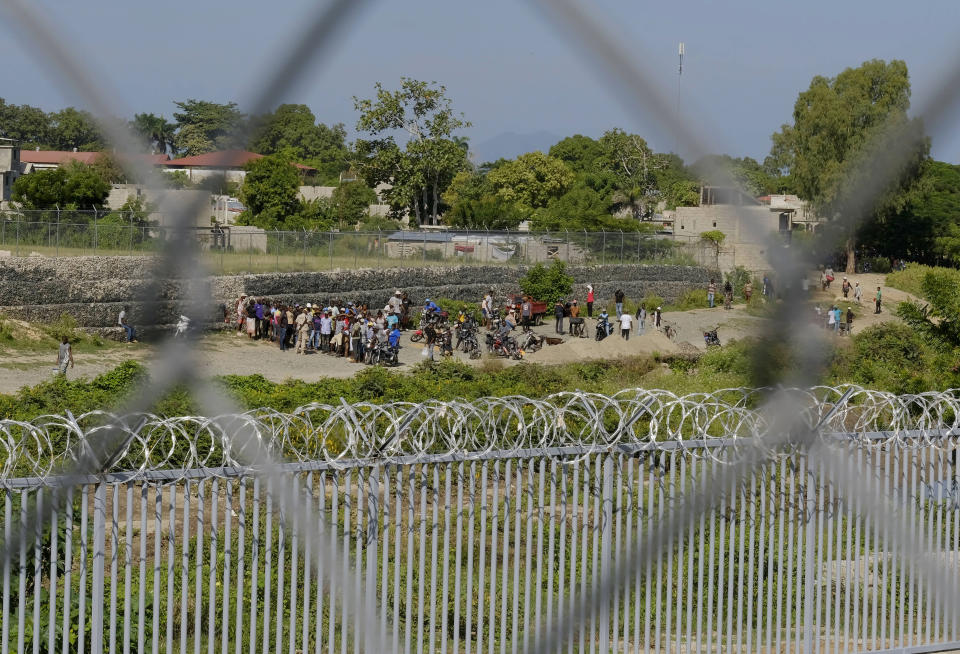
[
  {"x": 481, "y": 554},
  {"x": 227, "y": 248}
]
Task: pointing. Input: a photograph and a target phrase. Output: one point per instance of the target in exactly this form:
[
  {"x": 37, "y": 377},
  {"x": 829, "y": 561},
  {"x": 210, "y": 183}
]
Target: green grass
[
  {"x": 16, "y": 337},
  {"x": 911, "y": 278}
]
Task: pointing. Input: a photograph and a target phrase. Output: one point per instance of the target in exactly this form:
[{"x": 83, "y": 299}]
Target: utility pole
[{"x": 676, "y": 146}]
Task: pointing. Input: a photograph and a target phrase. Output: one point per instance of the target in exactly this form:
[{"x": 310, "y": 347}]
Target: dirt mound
[{"x": 574, "y": 349}]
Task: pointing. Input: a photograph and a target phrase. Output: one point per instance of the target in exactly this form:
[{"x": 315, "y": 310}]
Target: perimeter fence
[
  {"x": 472, "y": 527},
  {"x": 233, "y": 249}
]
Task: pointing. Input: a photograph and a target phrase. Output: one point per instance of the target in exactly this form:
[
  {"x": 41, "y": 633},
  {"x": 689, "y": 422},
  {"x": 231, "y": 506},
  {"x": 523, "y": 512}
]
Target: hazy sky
[{"x": 504, "y": 66}]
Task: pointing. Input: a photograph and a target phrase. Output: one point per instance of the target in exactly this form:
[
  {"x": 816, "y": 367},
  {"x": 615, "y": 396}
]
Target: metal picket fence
[
  {"x": 475, "y": 526},
  {"x": 478, "y": 553},
  {"x": 895, "y": 501}
]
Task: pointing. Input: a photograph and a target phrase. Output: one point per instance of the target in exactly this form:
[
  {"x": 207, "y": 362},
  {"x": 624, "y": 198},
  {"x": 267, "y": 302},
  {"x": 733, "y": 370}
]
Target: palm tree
[{"x": 155, "y": 131}]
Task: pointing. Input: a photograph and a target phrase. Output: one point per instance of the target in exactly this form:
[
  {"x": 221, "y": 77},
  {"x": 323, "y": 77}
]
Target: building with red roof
[{"x": 229, "y": 163}]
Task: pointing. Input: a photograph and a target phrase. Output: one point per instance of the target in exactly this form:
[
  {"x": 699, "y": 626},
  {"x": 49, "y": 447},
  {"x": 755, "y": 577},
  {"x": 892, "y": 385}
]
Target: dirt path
[{"x": 227, "y": 354}]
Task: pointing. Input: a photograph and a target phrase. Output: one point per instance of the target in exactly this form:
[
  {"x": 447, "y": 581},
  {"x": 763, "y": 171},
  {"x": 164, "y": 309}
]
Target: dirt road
[{"x": 227, "y": 354}]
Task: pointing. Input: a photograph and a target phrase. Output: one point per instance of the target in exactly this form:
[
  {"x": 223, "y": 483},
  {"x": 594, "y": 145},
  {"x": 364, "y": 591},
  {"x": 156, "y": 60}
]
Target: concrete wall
[
  {"x": 94, "y": 289},
  {"x": 748, "y": 229}
]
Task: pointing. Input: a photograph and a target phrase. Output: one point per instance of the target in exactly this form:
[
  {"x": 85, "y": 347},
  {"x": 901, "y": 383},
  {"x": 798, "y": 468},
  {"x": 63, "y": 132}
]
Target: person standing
[
  {"x": 878, "y": 299},
  {"x": 625, "y": 324},
  {"x": 727, "y": 295},
  {"x": 127, "y": 327},
  {"x": 589, "y": 301},
  {"x": 618, "y": 299},
  {"x": 486, "y": 308},
  {"x": 845, "y": 288},
  {"x": 657, "y": 316},
  {"x": 858, "y": 293},
  {"x": 832, "y": 318},
  {"x": 430, "y": 333},
  {"x": 558, "y": 315},
  {"x": 525, "y": 309},
  {"x": 748, "y": 291},
  {"x": 711, "y": 292},
  {"x": 849, "y": 321},
  {"x": 64, "y": 356},
  {"x": 641, "y": 318},
  {"x": 303, "y": 331}
]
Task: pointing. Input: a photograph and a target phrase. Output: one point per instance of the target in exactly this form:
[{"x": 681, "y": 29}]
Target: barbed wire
[{"x": 576, "y": 423}]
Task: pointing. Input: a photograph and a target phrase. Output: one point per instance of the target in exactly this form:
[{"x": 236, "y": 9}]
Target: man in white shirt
[
  {"x": 626, "y": 320},
  {"x": 127, "y": 327}
]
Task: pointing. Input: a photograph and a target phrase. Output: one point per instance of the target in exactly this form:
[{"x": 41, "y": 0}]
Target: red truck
[{"x": 537, "y": 309}]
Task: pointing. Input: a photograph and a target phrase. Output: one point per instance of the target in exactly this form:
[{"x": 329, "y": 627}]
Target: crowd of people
[{"x": 343, "y": 329}]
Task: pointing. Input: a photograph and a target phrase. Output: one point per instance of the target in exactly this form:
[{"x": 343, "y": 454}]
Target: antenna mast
[{"x": 679, "y": 77}]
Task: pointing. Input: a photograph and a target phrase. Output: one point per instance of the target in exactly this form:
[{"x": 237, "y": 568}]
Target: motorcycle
[
  {"x": 531, "y": 342},
  {"x": 711, "y": 338},
  {"x": 604, "y": 329},
  {"x": 504, "y": 345}
]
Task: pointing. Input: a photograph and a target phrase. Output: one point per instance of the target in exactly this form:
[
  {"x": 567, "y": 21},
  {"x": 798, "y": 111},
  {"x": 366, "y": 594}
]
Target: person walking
[
  {"x": 858, "y": 293},
  {"x": 711, "y": 292},
  {"x": 845, "y": 288},
  {"x": 849, "y": 321},
  {"x": 625, "y": 325},
  {"x": 64, "y": 356},
  {"x": 878, "y": 300},
  {"x": 127, "y": 327},
  {"x": 727, "y": 295},
  {"x": 618, "y": 299},
  {"x": 641, "y": 318},
  {"x": 558, "y": 314},
  {"x": 657, "y": 316},
  {"x": 589, "y": 301},
  {"x": 748, "y": 291}
]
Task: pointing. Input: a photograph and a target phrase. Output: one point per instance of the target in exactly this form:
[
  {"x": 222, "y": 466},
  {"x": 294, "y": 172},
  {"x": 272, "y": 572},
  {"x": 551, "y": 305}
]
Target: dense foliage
[{"x": 547, "y": 284}]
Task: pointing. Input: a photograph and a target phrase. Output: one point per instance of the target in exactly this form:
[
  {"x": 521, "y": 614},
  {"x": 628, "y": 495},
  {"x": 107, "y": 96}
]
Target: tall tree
[
  {"x": 293, "y": 128},
  {"x": 155, "y": 132},
  {"x": 423, "y": 168},
  {"x": 270, "y": 192},
  {"x": 530, "y": 181},
  {"x": 634, "y": 164},
  {"x": 841, "y": 126},
  {"x": 204, "y": 126},
  {"x": 72, "y": 128},
  {"x": 579, "y": 152},
  {"x": 28, "y": 125}
]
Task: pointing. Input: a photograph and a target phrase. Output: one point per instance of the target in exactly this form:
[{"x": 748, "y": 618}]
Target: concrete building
[
  {"x": 747, "y": 222},
  {"x": 9, "y": 168}
]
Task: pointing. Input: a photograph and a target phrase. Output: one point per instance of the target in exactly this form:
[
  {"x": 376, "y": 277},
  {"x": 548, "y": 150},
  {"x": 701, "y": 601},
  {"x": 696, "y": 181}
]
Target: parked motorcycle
[
  {"x": 604, "y": 328},
  {"x": 711, "y": 338}
]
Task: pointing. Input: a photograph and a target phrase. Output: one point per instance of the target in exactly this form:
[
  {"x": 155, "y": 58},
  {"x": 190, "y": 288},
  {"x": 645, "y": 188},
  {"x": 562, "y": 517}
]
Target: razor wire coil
[{"x": 338, "y": 434}]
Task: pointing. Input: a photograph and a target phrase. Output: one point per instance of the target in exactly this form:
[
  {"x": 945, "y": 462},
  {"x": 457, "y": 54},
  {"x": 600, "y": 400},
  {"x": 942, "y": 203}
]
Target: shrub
[
  {"x": 63, "y": 327},
  {"x": 547, "y": 284},
  {"x": 695, "y": 299},
  {"x": 879, "y": 264}
]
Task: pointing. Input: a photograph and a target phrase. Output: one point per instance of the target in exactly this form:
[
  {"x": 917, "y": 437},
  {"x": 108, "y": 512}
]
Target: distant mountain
[{"x": 510, "y": 144}]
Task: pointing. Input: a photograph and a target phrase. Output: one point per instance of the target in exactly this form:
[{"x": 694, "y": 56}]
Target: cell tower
[{"x": 676, "y": 146}]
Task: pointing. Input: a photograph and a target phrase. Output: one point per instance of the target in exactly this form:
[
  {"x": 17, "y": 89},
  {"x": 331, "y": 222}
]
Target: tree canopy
[
  {"x": 293, "y": 129},
  {"x": 204, "y": 126},
  {"x": 72, "y": 186},
  {"x": 841, "y": 137},
  {"x": 421, "y": 170}
]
